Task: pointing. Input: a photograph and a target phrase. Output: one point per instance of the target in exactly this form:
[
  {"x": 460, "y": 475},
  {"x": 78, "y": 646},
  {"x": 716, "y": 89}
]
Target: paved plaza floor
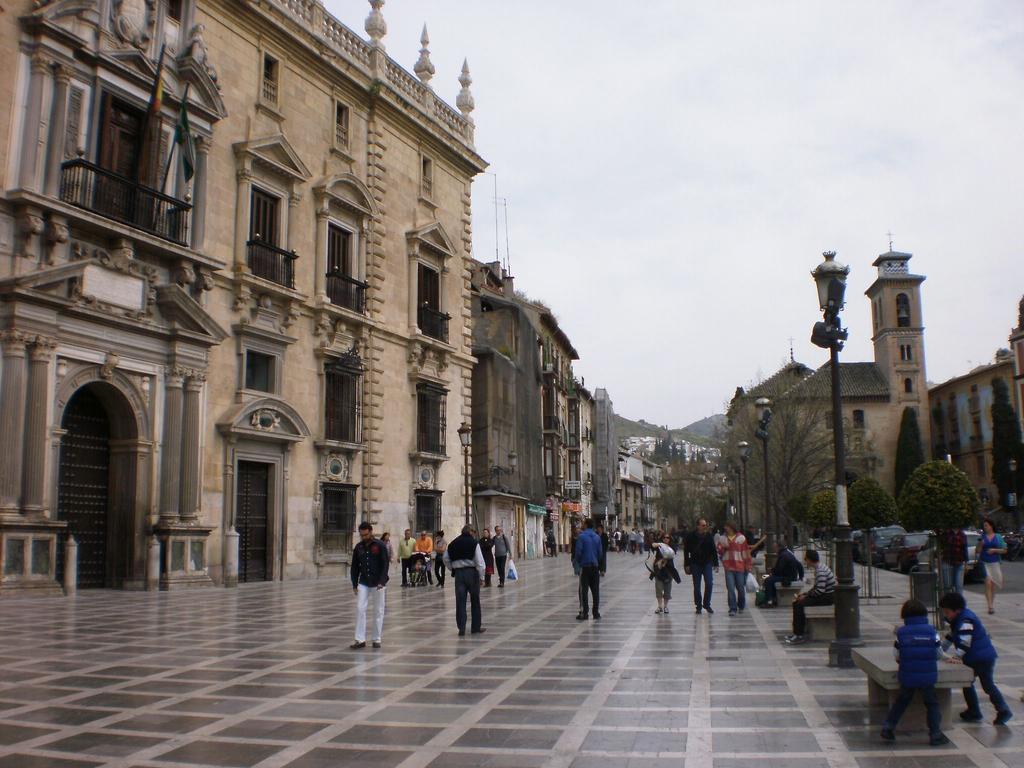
[{"x": 262, "y": 676}]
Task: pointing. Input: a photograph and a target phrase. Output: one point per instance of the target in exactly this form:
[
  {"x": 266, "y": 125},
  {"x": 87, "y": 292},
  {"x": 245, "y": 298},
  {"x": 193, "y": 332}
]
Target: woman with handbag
[
  {"x": 735, "y": 555},
  {"x": 663, "y": 573}
]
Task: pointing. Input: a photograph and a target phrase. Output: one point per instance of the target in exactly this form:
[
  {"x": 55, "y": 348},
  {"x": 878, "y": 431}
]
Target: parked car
[
  {"x": 878, "y": 540},
  {"x": 902, "y": 552}
]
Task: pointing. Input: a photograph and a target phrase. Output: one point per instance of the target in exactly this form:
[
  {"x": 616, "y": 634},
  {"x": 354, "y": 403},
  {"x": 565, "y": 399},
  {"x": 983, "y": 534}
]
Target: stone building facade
[
  {"x": 217, "y": 371},
  {"x": 1017, "y": 350},
  {"x": 605, "y": 455}
]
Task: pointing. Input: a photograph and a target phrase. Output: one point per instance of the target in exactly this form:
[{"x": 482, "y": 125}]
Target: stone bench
[
  {"x": 821, "y": 621},
  {"x": 786, "y": 594},
  {"x": 881, "y": 668}
]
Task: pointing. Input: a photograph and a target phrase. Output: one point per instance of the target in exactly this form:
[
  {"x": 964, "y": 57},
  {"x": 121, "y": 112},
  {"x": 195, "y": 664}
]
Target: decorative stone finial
[
  {"x": 375, "y": 25},
  {"x": 465, "y": 101},
  {"x": 424, "y": 69}
]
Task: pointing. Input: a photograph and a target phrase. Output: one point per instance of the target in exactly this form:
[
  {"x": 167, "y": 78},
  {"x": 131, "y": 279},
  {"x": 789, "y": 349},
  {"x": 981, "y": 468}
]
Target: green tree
[
  {"x": 798, "y": 507},
  {"x": 909, "y": 454},
  {"x": 870, "y": 504},
  {"x": 821, "y": 512},
  {"x": 937, "y": 496},
  {"x": 1006, "y": 443}
]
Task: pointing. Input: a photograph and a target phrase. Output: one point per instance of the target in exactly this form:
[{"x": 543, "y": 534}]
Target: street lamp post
[
  {"x": 830, "y": 278},
  {"x": 765, "y": 406},
  {"x": 745, "y": 451},
  {"x": 465, "y": 437},
  {"x": 1015, "y": 501}
]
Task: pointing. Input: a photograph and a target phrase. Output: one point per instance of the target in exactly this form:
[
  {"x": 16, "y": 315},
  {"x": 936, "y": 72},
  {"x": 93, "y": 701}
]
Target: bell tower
[{"x": 898, "y": 335}]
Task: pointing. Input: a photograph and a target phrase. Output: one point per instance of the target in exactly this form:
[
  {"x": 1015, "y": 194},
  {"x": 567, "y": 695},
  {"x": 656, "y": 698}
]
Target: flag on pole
[
  {"x": 184, "y": 139},
  {"x": 149, "y": 165}
]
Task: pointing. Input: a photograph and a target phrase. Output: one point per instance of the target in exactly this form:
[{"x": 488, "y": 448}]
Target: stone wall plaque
[{"x": 113, "y": 287}]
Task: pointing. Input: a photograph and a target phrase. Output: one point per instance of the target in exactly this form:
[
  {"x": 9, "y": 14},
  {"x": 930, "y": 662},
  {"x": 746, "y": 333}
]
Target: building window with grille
[
  {"x": 432, "y": 322},
  {"x": 265, "y": 256},
  {"x": 430, "y": 418},
  {"x": 259, "y": 371},
  {"x": 271, "y": 79},
  {"x": 428, "y": 511},
  {"x": 341, "y": 121},
  {"x": 426, "y": 176},
  {"x": 343, "y": 288},
  {"x": 908, "y": 386},
  {"x": 174, "y": 9},
  {"x": 339, "y": 517},
  {"x": 858, "y": 419},
  {"x": 341, "y": 400}
]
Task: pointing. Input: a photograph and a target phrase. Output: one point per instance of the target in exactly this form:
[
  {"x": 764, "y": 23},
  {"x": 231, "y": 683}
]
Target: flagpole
[
  {"x": 145, "y": 166},
  {"x": 174, "y": 143}
]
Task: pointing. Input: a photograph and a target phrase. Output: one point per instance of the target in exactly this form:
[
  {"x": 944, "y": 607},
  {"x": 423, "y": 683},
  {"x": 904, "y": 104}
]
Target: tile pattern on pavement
[{"x": 261, "y": 676}]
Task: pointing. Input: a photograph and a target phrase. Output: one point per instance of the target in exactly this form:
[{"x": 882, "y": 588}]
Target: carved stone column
[
  {"x": 12, "y": 419},
  {"x": 242, "y": 213},
  {"x": 170, "y": 464},
  {"x": 199, "y": 194},
  {"x": 58, "y": 127},
  {"x": 413, "y": 295},
  {"x": 190, "y": 458},
  {"x": 34, "y": 476},
  {"x": 28, "y": 174},
  {"x": 320, "y": 262}
]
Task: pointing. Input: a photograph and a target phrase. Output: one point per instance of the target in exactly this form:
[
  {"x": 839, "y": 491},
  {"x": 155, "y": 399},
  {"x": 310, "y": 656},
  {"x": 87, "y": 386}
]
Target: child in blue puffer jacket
[{"x": 918, "y": 651}]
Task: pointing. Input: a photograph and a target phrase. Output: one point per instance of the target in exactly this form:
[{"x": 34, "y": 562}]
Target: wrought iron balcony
[
  {"x": 86, "y": 185},
  {"x": 271, "y": 263},
  {"x": 433, "y": 323},
  {"x": 345, "y": 291}
]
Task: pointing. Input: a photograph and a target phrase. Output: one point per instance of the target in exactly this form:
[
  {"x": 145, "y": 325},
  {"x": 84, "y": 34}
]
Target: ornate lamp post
[
  {"x": 513, "y": 465},
  {"x": 746, "y": 449},
  {"x": 1014, "y": 501},
  {"x": 465, "y": 437},
  {"x": 830, "y": 278},
  {"x": 765, "y": 407}
]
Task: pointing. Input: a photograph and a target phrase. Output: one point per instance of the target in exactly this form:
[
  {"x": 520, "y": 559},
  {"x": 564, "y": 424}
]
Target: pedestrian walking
[
  {"x": 386, "y": 538},
  {"x": 918, "y": 650},
  {"x": 405, "y": 549},
  {"x": 369, "y": 574},
  {"x": 425, "y": 546},
  {"x": 991, "y": 547},
  {"x": 972, "y": 646},
  {"x": 502, "y": 550},
  {"x": 440, "y": 545},
  {"x": 734, "y": 554},
  {"x": 605, "y": 544},
  {"x": 663, "y": 573},
  {"x": 823, "y": 592},
  {"x": 588, "y": 556},
  {"x": 552, "y": 545},
  {"x": 465, "y": 560},
  {"x": 786, "y": 570},
  {"x": 700, "y": 561},
  {"x": 953, "y": 551},
  {"x": 487, "y": 548},
  {"x": 572, "y": 551}
]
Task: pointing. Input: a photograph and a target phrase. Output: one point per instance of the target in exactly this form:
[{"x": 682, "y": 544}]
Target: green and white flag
[{"x": 184, "y": 139}]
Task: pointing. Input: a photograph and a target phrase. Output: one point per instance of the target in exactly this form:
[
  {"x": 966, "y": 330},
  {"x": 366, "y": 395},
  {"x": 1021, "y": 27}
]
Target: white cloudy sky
[{"x": 673, "y": 170}]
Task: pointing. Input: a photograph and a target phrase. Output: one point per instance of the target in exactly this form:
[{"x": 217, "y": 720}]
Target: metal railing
[
  {"x": 87, "y": 185},
  {"x": 433, "y": 323},
  {"x": 345, "y": 291},
  {"x": 271, "y": 263}
]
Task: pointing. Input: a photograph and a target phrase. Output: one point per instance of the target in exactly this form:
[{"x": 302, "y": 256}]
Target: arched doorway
[{"x": 95, "y": 484}]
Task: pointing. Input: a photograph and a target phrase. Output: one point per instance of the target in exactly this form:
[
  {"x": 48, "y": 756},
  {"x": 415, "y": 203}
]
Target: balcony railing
[
  {"x": 433, "y": 323},
  {"x": 271, "y": 263},
  {"x": 345, "y": 291},
  {"x": 86, "y": 185}
]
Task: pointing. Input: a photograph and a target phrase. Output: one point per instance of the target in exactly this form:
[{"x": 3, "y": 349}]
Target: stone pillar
[
  {"x": 320, "y": 262},
  {"x": 12, "y": 419},
  {"x": 58, "y": 127},
  {"x": 293, "y": 224},
  {"x": 242, "y": 204},
  {"x": 70, "y": 565},
  {"x": 231, "y": 558},
  {"x": 170, "y": 464},
  {"x": 190, "y": 457},
  {"x": 33, "y": 487},
  {"x": 28, "y": 172},
  {"x": 153, "y": 564},
  {"x": 199, "y": 183},
  {"x": 413, "y": 295}
]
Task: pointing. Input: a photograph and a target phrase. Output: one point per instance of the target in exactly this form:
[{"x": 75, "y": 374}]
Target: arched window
[
  {"x": 902, "y": 310},
  {"x": 908, "y": 385}
]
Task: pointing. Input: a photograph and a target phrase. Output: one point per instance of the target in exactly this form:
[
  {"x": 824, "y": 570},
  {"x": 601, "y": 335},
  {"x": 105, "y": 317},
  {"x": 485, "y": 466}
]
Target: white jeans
[{"x": 363, "y": 597}]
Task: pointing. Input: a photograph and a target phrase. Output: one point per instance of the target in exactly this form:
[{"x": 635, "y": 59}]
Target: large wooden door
[
  {"x": 83, "y": 485},
  {"x": 251, "y": 519}
]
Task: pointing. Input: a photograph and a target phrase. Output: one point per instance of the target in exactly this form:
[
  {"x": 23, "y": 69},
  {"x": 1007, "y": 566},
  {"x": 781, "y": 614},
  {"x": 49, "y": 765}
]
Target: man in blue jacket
[
  {"x": 973, "y": 647},
  {"x": 917, "y": 650},
  {"x": 786, "y": 570},
  {"x": 588, "y": 556}
]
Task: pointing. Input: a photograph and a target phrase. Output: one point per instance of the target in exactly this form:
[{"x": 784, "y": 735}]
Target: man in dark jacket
[
  {"x": 973, "y": 647},
  {"x": 700, "y": 558},
  {"x": 466, "y": 562},
  {"x": 605, "y": 544},
  {"x": 588, "y": 554},
  {"x": 369, "y": 574},
  {"x": 786, "y": 570}
]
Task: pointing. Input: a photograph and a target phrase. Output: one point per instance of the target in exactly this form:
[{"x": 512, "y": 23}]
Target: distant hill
[{"x": 700, "y": 432}]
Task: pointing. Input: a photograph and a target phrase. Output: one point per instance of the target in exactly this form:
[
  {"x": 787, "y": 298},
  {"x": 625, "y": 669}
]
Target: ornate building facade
[{"x": 235, "y": 307}]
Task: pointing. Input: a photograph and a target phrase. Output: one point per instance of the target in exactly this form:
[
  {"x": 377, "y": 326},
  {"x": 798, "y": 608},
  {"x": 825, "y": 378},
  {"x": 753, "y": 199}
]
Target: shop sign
[{"x": 534, "y": 509}]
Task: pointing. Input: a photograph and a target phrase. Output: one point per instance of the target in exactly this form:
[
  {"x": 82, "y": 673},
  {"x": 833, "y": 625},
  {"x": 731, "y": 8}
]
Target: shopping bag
[
  {"x": 513, "y": 575},
  {"x": 751, "y": 583},
  {"x": 760, "y": 598}
]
